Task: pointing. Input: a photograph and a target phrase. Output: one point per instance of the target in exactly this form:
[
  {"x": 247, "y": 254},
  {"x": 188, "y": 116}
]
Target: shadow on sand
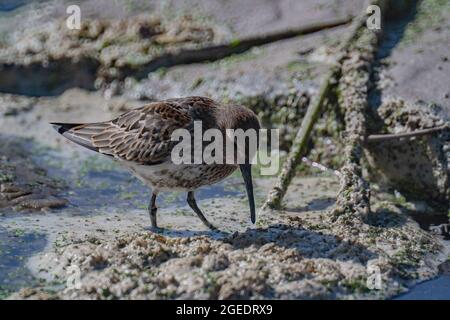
[{"x": 307, "y": 243}]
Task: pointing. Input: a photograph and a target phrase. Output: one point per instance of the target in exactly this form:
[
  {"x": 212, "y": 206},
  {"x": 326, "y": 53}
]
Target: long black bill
[{"x": 246, "y": 170}]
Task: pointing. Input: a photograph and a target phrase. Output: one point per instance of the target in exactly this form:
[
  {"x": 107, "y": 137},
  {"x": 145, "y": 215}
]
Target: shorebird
[{"x": 140, "y": 139}]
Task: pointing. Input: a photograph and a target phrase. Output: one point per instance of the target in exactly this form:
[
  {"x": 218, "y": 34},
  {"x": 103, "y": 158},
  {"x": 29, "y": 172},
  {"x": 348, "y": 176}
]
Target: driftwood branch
[{"x": 374, "y": 138}]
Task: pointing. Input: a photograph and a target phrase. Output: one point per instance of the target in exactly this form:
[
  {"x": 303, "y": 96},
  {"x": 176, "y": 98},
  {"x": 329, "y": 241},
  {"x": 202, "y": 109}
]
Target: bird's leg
[
  {"x": 193, "y": 204},
  {"x": 152, "y": 211}
]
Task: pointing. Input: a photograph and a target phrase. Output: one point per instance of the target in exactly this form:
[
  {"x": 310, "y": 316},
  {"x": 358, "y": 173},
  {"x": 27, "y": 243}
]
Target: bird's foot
[
  {"x": 156, "y": 229},
  {"x": 211, "y": 227}
]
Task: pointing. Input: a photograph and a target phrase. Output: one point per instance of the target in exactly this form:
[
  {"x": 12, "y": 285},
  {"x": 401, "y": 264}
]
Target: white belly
[{"x": 170, "y": 177}]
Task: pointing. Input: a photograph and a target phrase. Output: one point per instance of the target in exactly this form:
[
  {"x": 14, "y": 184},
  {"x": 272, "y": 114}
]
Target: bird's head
[{"x": 245, "y": 125}]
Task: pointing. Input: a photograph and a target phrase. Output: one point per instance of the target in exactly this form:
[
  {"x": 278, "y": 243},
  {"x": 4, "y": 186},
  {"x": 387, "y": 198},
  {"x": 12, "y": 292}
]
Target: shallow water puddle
[
  {"x": 95, "y": 182},
  {"x": 12, "y": 5},
  {"x": 15, "y": 247},
  {"x": 436, "y": 289}
]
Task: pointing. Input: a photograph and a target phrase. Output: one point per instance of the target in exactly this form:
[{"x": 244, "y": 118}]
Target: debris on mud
[{"x": 23, "y": 185}]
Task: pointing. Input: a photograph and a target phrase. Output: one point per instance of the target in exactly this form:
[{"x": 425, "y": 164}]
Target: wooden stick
[
  {"x": 374, "y": 138},
  {"x": 295, "y": 154}
]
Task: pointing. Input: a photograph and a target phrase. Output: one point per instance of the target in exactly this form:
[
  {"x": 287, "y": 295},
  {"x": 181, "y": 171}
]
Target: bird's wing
[{"x": 142, "y": 135}]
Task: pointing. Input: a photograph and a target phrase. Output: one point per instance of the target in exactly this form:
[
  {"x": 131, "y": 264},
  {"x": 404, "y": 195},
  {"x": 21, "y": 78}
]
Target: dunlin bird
[{"x": 140, "y": 139}]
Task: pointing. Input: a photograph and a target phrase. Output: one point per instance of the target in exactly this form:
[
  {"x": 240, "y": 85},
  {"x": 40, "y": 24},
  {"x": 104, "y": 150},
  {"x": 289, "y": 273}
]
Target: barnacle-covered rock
[{"x": 415, "y": 167}]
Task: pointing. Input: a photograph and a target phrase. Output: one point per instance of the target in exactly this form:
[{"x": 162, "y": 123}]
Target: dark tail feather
[
  {"x": 67, "y": 131},
  {"x": 63, "y": 127}
]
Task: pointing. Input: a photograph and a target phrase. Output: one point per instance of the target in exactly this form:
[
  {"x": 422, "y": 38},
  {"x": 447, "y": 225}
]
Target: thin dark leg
[
  {"x": 193, "y": 204},
  {"x": 152, "y": 211}
]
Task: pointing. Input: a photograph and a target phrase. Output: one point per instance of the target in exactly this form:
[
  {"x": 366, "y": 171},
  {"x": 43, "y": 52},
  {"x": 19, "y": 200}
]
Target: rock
[{"x": 415, "y": 167}]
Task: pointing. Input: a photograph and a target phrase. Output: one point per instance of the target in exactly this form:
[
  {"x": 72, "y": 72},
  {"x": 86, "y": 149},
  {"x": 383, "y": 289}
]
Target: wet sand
[{"x": 296, "y": 253}]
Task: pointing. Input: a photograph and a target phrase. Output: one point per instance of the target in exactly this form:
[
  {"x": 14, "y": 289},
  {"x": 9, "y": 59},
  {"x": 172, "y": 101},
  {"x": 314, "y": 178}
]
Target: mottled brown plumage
[{"x": 141, "y": 140}]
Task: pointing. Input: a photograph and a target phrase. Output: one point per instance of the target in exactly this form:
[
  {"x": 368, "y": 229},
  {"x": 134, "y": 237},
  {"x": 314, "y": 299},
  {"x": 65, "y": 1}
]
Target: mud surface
[
  {"x": 67, "y": 214},
  {"x": 414, "y": 57},
  {"x": 105, "y": 225},
  {"x": 106, "y": 50},
  {"x": 296, "y": 254}
]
